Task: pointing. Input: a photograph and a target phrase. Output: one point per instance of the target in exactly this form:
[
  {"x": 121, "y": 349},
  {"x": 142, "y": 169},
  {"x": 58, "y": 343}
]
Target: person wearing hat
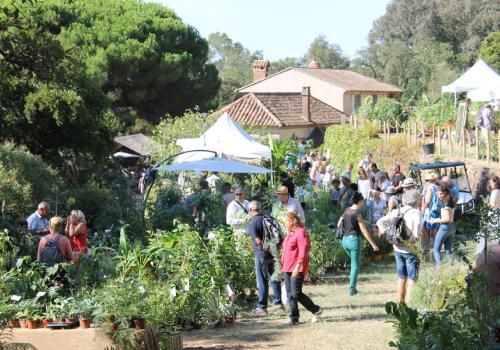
[
  {"x": 408, "y": 184},
  {"x": 428, "y": 193},
  {"x": 289, "y": 203},
  {"x": 392, "y": 198}
]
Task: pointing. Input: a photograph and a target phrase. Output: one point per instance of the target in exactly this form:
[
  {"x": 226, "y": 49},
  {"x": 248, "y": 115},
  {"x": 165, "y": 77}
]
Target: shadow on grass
[
  {"x": 348, "y": 307},
  {"x": 372, "y": 317}
]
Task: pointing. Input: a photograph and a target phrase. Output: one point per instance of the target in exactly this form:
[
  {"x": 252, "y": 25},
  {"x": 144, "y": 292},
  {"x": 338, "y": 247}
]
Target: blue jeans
[
  {"x": 264, "y": 269},
  {"x": 444, "y": 236},
  {"x": 352, "y": 246},
  {"x": 407, "y": 265}
]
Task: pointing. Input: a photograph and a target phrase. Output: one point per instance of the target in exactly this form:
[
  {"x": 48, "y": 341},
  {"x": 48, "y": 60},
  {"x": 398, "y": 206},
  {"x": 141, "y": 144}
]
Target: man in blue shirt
[
  {"x": 264, "y": 262},
  {"x": 452, "y": 186},
  {"x": 38, "y": 222}
]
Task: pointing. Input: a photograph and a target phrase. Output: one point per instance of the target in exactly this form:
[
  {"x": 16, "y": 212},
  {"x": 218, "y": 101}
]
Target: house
[{"x": 297, "y": 101}]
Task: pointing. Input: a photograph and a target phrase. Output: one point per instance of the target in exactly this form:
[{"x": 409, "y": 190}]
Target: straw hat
[
  {"x": 430, "y": 177},
  {"x": 282, "y": 190},
  {"x": 408, "y": 183}
]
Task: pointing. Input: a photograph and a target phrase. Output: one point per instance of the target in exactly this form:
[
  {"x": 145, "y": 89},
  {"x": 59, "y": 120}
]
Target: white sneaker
[
  {"x": 289, "y": 322},
  {"x": 315, "y": 317}
]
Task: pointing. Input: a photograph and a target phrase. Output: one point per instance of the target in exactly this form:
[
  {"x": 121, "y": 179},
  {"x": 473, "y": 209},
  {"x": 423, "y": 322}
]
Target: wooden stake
[
  {"x": 388, "y": 131},
  {"x": 488, "y": 147},
  {"x": 439, "y": 140},
  {"x": 434, "y": 134},
  {"x": 450, "y": 146},
  {"x": 464, "y": 150},
  {"x": 498, "y": 143},
  {"x": 477, "y": 143}
]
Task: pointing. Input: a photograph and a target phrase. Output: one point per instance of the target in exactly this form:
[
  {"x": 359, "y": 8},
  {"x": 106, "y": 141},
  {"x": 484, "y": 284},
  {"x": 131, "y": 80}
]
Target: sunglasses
[{"x": 238, "y": 194}]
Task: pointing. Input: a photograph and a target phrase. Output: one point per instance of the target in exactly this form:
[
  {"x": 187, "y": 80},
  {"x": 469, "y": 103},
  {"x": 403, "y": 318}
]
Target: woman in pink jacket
[{"x": 295, "y": 263}]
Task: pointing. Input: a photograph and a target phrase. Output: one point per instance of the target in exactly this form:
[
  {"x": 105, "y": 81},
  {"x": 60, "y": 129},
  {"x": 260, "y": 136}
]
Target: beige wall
[
  {"x": 293, "y": 81},
  {"x": 347, "y": 99},
  {"x": 281, "y": 133}
]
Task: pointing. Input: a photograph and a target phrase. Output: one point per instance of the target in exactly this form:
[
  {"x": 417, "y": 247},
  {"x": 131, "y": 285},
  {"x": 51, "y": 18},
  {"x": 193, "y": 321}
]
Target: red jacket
[{"x": 296, "y": 250}]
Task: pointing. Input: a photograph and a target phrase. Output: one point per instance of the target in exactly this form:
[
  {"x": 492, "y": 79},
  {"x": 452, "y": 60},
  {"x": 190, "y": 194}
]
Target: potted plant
[
  {"x": 34, "y": 314},
  {"x": 22, "y": 313},
  {"x": 8, "y": 312},
  {"x": 84, "y": 308}
]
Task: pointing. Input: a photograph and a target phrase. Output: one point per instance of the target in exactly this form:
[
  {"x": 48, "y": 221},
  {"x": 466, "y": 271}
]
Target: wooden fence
[{"x": 470, "y": 144}]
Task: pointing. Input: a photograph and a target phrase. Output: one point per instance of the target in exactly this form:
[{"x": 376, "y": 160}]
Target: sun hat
[
  {"x": 408, "y": 183},
  {"x": 329, "y": 167},
  {"x": 282, "y": 190},
  {"x": 430, "y": 177},
  {"x": 390, "y": 190}
]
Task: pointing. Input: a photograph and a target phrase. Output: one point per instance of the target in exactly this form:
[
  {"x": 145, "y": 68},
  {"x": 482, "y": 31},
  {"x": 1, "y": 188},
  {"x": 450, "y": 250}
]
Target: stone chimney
[
  {"x": 306, "y": 103},
  {"x": 260, "y": 69}
]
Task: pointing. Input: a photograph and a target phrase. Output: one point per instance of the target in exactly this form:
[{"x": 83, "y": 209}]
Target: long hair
[
  {"x": 447, "y": 199},
  {"x": 294, "y": 219},
  {"x": 80, "y": 217}
]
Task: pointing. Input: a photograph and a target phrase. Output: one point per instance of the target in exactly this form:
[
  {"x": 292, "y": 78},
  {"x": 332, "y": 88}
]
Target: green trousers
[{"x": 352, "y": 245}]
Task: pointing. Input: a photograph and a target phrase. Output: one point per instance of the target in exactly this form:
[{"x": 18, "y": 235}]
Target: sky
[{"x": 283, "y": 28}]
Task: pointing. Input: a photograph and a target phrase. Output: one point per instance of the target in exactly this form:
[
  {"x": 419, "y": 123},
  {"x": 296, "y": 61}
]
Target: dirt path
[{"x": 347, "y": 322}]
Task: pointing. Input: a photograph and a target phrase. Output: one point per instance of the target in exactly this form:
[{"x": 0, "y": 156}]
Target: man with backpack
[
  {"x": 402, "y": 227},
  {"x": 264, "y": 260}
]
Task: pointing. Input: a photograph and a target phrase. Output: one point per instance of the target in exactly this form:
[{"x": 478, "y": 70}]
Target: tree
[
  {"x": 46, "y": 101},
  {"x": 284, "y": 63},
  {"x": 328, "y": 55},
  {"x": 140, "y": 54},
  {"x": 490, "y": 50},
  {"x": 234, "y": 63}
]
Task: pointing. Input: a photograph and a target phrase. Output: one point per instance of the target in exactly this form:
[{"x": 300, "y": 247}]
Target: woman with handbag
[{"x": 351, "y": 228}]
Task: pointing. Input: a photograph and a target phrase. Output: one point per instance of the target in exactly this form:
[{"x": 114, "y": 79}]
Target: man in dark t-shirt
[
  {"x": 264, "y": 262},
  {"x": 285, "y": 181},
  {"x": 397, "y": 178}
]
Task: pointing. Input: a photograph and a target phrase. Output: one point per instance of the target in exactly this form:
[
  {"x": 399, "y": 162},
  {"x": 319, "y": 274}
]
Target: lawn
[{"x": 357, "y": 322}]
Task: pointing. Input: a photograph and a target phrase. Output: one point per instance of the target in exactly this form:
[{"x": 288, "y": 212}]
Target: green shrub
[
  {"x": 25, "y": 180},
  {"x": 388, "y": 109},
  {"x": 348, "y": 144}
]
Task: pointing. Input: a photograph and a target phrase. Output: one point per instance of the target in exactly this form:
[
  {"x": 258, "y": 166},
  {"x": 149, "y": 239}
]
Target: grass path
[{"x": 347, "y": 322}]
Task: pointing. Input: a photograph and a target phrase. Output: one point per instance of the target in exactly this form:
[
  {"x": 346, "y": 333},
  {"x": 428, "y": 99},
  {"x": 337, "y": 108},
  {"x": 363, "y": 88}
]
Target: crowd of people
[{"x": 369, "y": 208}]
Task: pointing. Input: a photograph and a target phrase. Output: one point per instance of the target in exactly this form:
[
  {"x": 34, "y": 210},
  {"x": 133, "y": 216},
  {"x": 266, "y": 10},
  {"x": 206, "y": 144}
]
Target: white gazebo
[{"x": 228, "y": 139}]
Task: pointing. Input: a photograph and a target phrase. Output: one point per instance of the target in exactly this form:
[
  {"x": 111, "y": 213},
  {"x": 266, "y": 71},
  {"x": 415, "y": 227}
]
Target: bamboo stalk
[
  {"x": 477, "y": 143},
  {"x": 450, "y": 145}
]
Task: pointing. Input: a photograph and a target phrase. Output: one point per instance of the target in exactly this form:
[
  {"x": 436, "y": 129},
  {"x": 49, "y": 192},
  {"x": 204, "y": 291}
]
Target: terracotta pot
[
  {"x": 23, "y": 323},
  {"x": 140, "y": 324},
  {"x": 45, "y": 323},
  {"x": 13, "y": 324},
  {"x": 32, "y": 324},
  {"x": 84, "y": 323}
]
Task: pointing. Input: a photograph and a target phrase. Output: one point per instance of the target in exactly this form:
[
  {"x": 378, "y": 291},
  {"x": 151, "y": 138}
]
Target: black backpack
[
  {"x": 273, "y": 235},
  {"x": 51, "y": 252},
  {"x": 397, "y": 231}
]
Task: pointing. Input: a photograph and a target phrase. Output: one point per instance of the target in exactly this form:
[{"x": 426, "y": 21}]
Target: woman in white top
[
  {"x": 446, "y": 231},
  {"x": 377, "y": 204},
  {"x": 494, "y": 188},
  {"x": 363, "y": 183}
]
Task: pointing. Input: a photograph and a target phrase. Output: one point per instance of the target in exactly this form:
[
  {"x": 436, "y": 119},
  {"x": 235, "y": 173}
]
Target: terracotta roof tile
[
  {"x": 260, "y": 64},
  {"x": 279, "y": 110}
]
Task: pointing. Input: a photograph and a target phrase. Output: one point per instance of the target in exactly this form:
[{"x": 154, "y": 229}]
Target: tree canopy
[
  {"x": 328, "y": 55},
  {"x": 46, "y": 100},
  {"x": 140, "y": 54},
  {"x": 490, "y": 50},
  {"x": 234, "y": 63}
]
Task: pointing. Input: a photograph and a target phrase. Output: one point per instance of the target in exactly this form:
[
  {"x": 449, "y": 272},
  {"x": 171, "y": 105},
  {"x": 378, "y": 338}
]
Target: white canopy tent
[
  {"x": 485, "y": 93},
  {"x": 477, "y": 76},
  {"x": 226, "y": 138}
]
